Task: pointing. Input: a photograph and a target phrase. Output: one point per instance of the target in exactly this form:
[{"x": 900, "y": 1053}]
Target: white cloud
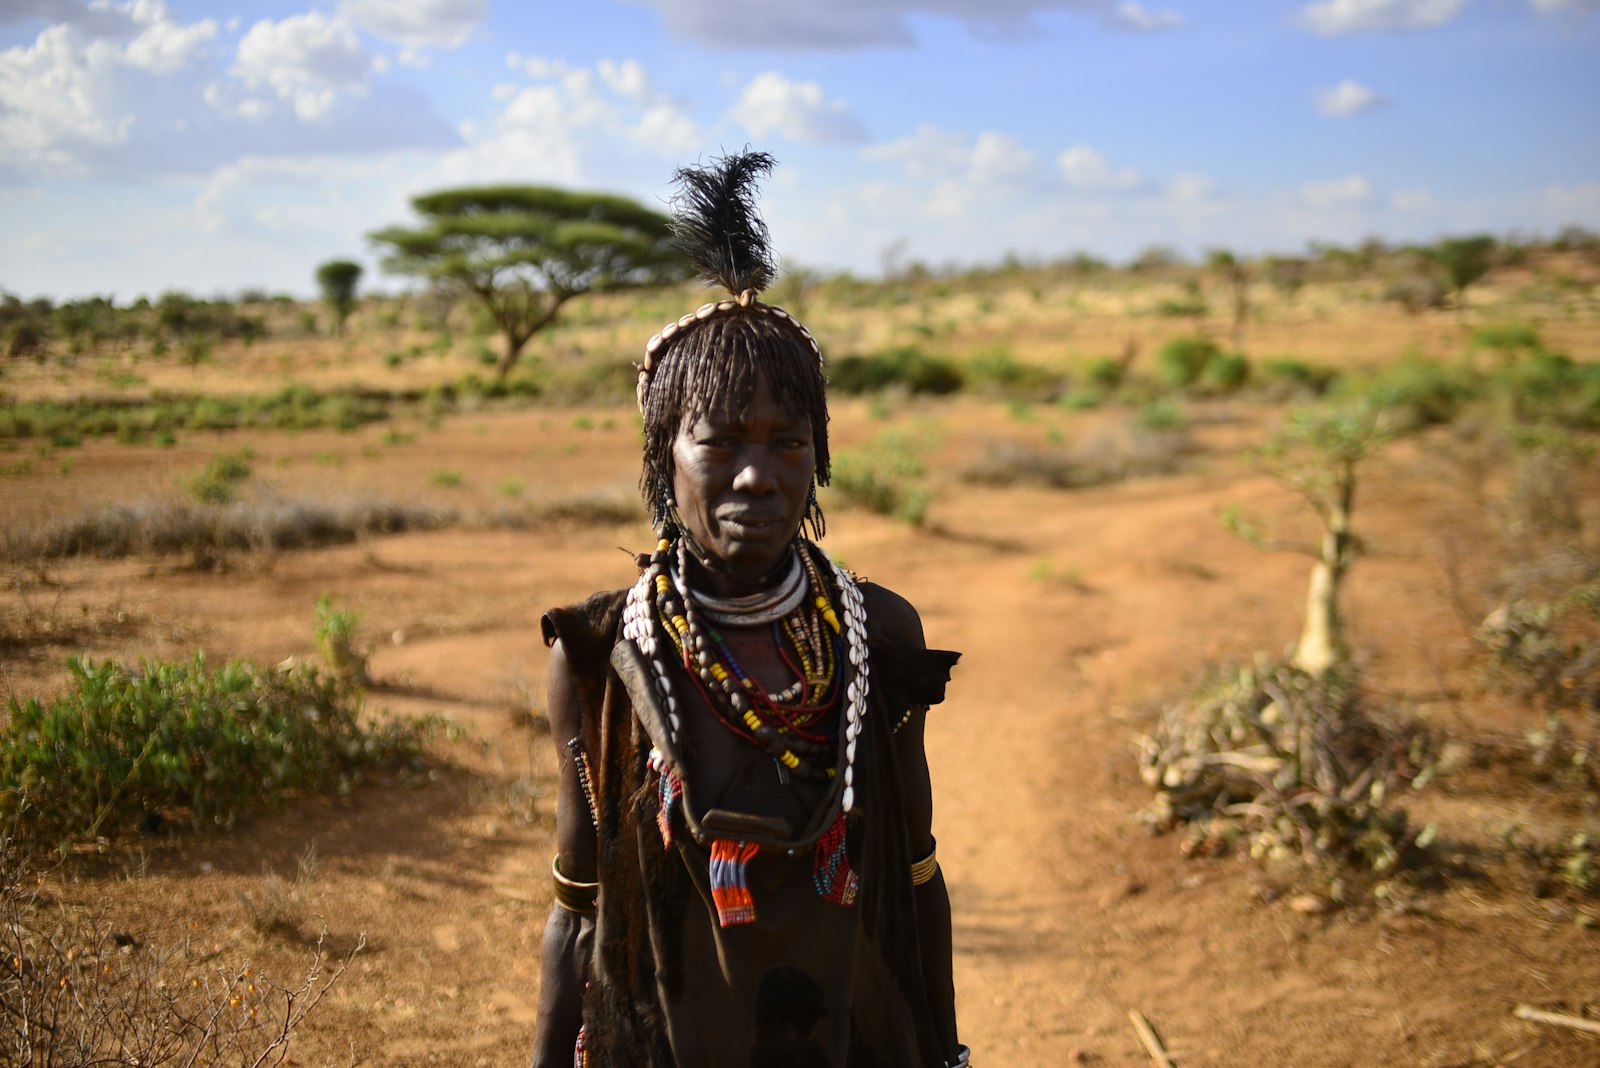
[
  {"x": 537, "y": 66},
  {"x": 165, "y": 46},
  {"x": 930, "y": 154},
  {"x": 1337, "y": 192},
  {"x": 1133, "y": 15},
  {"x": 126, "y": 91},
  {"x": 772, "y": 104},
  {"x": 1084, "y": 167},
  {"x": 626, "y": 78},
  {"x": 1412, "y": 200},
  {"x": 306, "y": 59},
  {"x": 1349, "y": 98},
  {"x": 953, "y": 174},
  {"x": 998, "y": 159},
  {"x": 1190, "y": 188},
  {"x": 1330, "y": 17},
  {"x": 665, "y": 130},
  {"x": 418, "y": 23},
  {"x": 573, "y": 125}
]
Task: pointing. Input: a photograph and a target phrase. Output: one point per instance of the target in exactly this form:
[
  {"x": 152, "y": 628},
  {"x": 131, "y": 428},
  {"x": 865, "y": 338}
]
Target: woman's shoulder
[
  {"x": 892, "y": 616},
  {"x": 592, "y": 620}
]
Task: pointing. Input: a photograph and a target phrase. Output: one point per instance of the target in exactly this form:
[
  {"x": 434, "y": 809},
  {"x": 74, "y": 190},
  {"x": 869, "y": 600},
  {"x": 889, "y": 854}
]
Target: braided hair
[{"x": 716, "y": 364}]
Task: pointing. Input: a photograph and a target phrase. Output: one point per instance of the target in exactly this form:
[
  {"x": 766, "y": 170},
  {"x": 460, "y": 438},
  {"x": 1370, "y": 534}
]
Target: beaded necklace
[{"x": 798, "y": 726}]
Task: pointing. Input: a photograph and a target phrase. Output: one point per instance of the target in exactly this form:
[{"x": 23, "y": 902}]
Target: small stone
[{"x": 1311, "y": 904}]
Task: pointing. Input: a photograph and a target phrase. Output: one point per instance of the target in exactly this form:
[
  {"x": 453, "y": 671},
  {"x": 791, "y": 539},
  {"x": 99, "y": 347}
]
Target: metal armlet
[
  {"x": 571, "y": 894},
  {"x": 922, "y": 870}
]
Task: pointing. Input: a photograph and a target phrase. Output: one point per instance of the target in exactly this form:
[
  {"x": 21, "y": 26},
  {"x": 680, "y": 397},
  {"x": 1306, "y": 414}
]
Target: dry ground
[{"x": 1074, "y": 611}]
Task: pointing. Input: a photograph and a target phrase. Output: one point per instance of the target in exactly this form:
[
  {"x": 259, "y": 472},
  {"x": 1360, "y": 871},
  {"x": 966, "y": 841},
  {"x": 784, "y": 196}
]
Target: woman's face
[{"x": 741, "y": 483}]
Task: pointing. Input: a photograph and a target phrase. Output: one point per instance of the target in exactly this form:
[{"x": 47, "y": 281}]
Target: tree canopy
[
  {"x": 337, "y": 279},
  {"x": 523, "y": 251}
]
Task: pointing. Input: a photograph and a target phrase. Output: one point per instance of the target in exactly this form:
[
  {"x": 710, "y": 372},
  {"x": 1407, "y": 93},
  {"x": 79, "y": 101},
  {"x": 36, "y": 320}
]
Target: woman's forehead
[{"x": 728, "y": 413}]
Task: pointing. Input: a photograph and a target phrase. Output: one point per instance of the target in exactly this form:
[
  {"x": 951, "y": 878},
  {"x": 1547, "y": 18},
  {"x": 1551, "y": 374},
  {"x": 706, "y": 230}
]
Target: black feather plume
[{"x": 715, "y": 223}]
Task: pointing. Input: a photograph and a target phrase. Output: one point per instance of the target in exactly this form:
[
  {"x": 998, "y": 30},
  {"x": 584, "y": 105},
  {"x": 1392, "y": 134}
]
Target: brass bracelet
[
  {"x": 922, "y": 870},
  {"x": 571, "y": 894}
]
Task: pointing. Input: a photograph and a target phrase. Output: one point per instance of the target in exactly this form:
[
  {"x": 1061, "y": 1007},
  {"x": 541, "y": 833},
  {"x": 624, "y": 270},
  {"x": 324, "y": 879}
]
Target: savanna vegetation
[{"x": 1338, "y": 511}]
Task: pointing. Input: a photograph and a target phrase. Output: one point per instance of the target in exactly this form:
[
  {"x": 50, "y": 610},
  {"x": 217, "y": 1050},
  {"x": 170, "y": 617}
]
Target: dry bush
[
  {"x": 1129, "y": 450},
  {"x": 170, "y": 527},
  {"x": 602, "y": 508},
  {"x": 279, "y": 908},
  {"x": 74, "y": 992},
  {"x": 1284, "y": 764}
]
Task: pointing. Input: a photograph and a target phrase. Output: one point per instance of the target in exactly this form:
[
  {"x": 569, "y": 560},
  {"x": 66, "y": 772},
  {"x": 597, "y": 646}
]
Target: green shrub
[
  {"x": 908, "y": 367},
  {"x": 1297, "y": 373},
  {"x": 1548, "y": 387},
  {"x": 1002, "y": 373},
  {"x": 218, "y": 482},
  {"x": 1182, "y": 360},
  {"x": 1162, "y": 415},
  {"x": 1226, "y": 373},
  {"x": 884, "y": 477},
  {"x": 1506, "y": 339},
  {"x": 181, "y": 742},
  {"x": 1421, "y": 392},
  {"x": 1077, "y": 400},
  {"x": 1106, "y": 372},
  {"x": 336, "y": 639},
  {"x": 445, "y": 477}
]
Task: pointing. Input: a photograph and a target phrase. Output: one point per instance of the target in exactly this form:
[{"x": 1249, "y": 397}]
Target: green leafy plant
[
  {"x": 218, "y": 481},
  {"x": 885, "y": 477},
  {"x": 907, "y": 367},
  {"x": 1182, "y": 360},
  {"x": 336, "y": 640},
  {"x": 181, "y": 742}
]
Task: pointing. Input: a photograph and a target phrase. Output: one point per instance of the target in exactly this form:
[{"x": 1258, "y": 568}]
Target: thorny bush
[{"x": 74, "y": 992}]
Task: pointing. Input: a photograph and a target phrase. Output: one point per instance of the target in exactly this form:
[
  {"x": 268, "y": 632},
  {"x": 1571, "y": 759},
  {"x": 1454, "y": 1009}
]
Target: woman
[{"x": 745, "y": 870}]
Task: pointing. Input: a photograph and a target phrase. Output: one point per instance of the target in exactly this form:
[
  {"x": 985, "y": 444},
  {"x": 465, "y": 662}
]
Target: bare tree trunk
[
  {"x": 1241, "y": 308},
  {"x": 1322, "y": 644}
]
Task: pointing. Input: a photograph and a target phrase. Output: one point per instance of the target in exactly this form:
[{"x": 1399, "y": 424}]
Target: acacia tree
[
  {"x": 523, "y": 251},
  {"x": 337, "y": 279},
  {"x": 1464, "y": 260}
]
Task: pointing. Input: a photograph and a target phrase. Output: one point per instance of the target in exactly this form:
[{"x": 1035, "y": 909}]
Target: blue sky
[{"x": 149, "y": 145}]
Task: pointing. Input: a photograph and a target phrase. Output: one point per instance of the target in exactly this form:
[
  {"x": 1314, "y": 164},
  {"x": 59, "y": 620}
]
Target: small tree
[
  {"x": 1287, "y": 275},
  {"x": 1226, "y": 266},
  {"x": 524, "y": 251},
  {"x": 1317, "y": 455},
  {"x": 1464, "y": 260},
  {"x": 337, "y": 279}
]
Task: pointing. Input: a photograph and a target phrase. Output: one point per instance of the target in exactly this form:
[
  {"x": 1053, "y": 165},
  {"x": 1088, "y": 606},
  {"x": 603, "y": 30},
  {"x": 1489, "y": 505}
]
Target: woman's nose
[{"x": 755, "y": 474}]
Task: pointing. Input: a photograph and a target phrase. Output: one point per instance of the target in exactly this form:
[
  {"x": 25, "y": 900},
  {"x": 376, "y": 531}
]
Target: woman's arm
[
  {"x": 568, "y": 935},
  {"x": 901, "y": 622},
  {"x": 933, "y": 901}
]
